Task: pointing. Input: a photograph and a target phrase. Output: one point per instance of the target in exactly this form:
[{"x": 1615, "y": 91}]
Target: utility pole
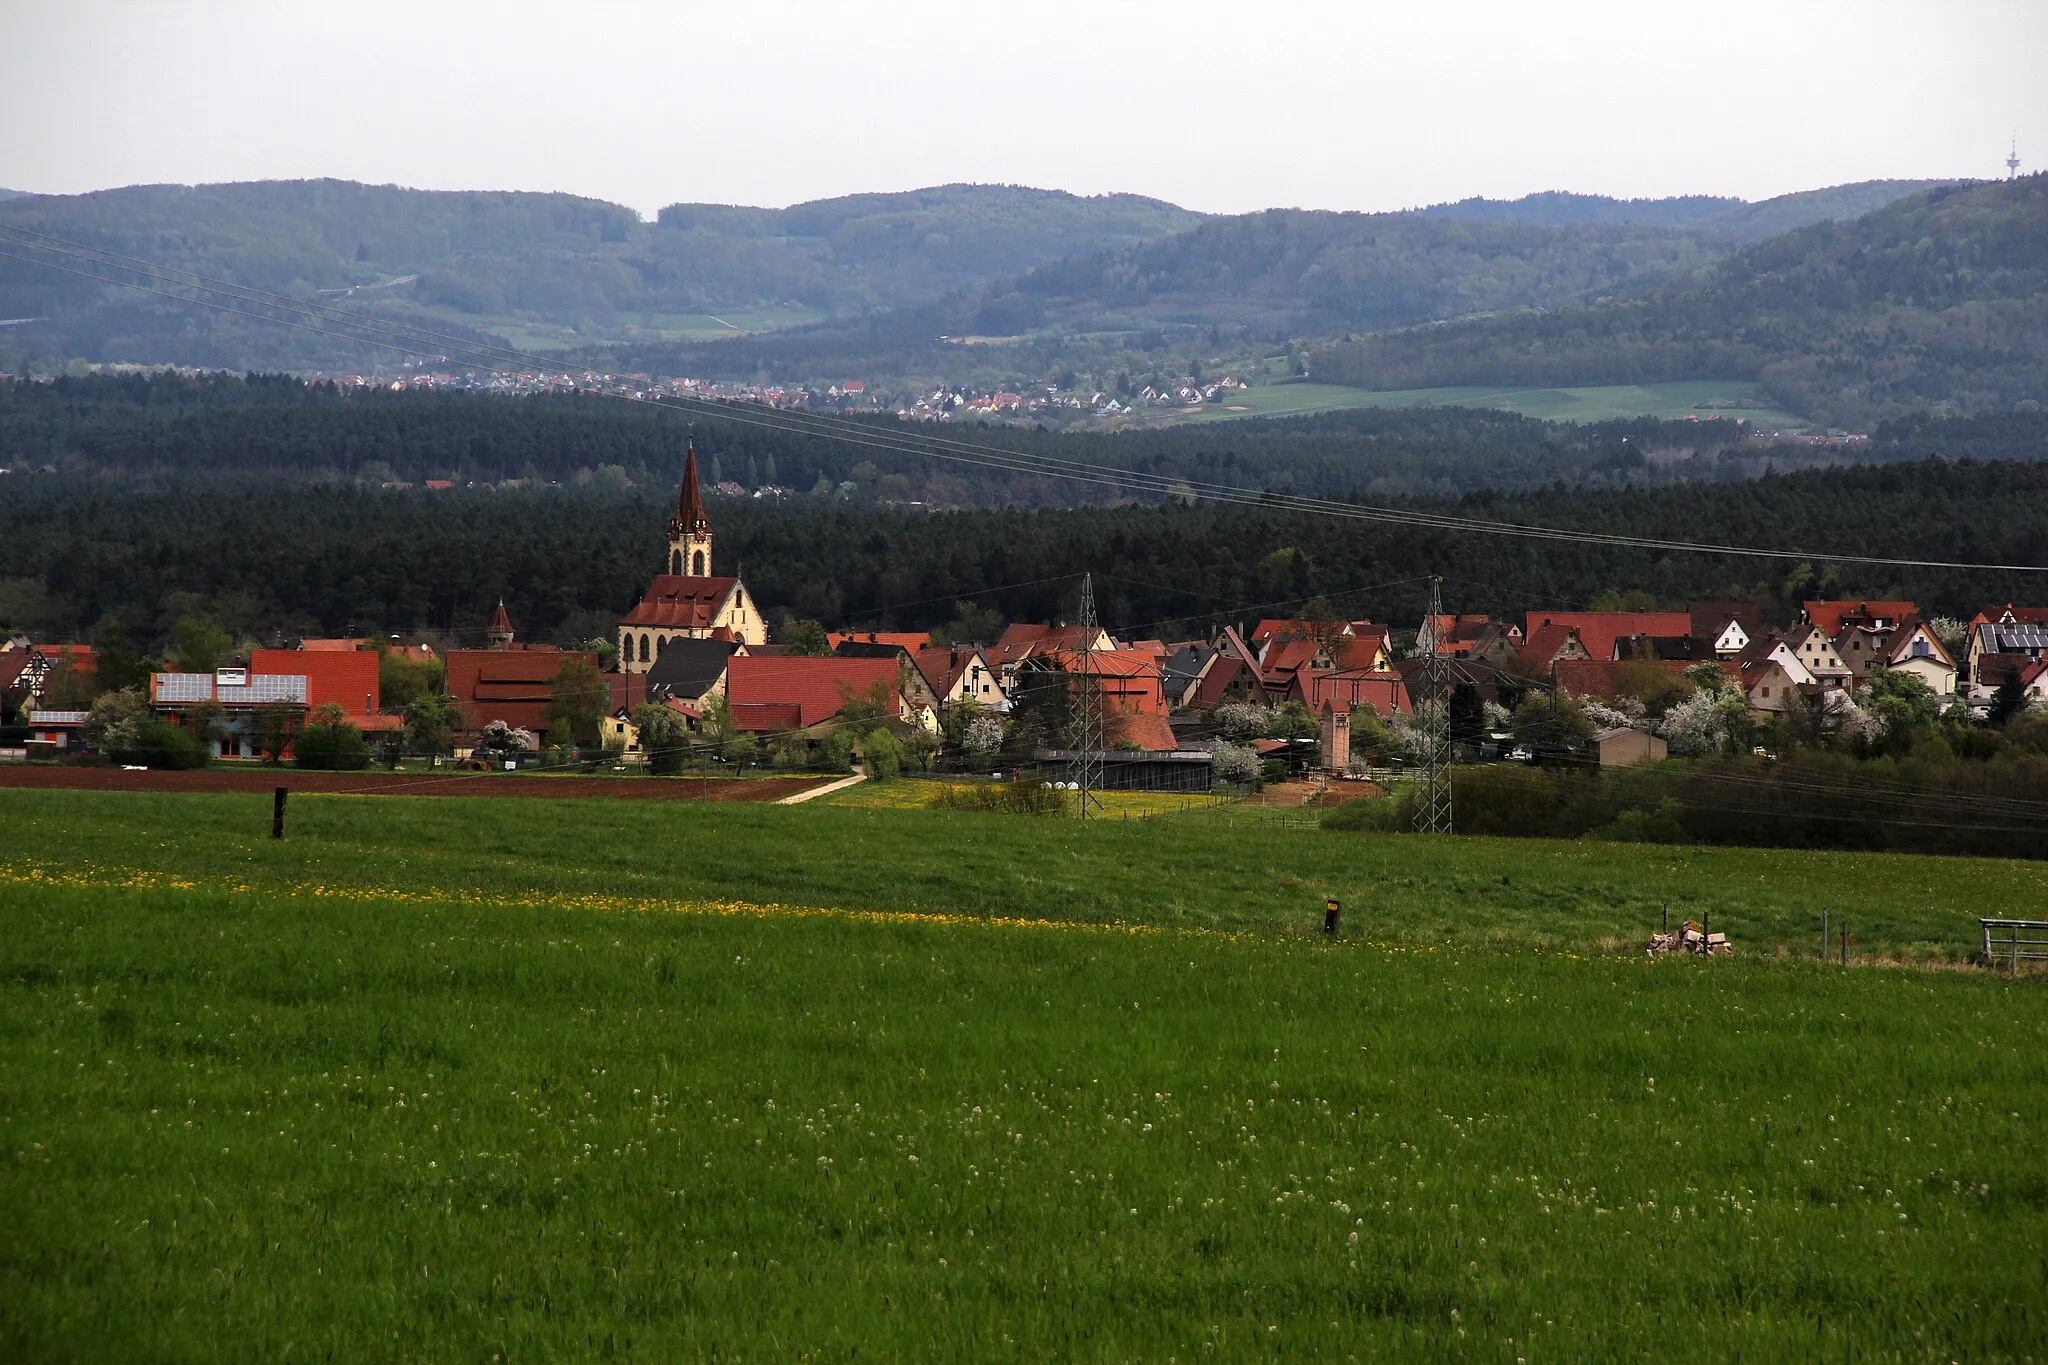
[
  {"x": 1088, "y": 739},
  {"x": 1433, "y": 805}
]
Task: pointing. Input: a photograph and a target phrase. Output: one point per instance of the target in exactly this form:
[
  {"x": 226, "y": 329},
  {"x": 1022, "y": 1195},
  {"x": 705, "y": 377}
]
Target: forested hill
[
  {"x": 81, "y": 556},
  {"x": 1940, "y": 299},
  {"x": 1558, "y": 208},
  {"x": 1282, "y": 273},
  {"x": 279, "y": 429},
  {"x": 1731, "y": 221},
  {"x": 540, "y": 267}
]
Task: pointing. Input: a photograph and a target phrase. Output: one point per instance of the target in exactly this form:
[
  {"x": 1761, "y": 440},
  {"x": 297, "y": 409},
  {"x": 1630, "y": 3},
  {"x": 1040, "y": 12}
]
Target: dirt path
[{"x": 405, "y": 784}]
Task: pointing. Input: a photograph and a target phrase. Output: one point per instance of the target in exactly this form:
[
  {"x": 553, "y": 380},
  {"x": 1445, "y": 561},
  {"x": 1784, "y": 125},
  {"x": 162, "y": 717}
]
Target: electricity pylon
[{"x": 1433, "y": 806}]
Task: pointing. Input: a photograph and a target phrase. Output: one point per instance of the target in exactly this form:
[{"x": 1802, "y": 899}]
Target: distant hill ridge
[{"x": 1938, "y": 300}]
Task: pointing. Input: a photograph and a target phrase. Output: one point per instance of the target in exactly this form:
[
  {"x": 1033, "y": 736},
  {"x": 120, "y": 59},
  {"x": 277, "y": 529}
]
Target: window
[
  {"x": 697, "y": 564},
  {"x": 675, "y": 561},
  {"x": 643, "y": 649}
]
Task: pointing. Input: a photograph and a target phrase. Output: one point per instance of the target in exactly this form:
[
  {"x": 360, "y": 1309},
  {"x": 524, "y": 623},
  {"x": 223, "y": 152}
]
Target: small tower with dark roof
[
  {"x": 689, "y": 531},
  {"x": 499, "y": 633}
]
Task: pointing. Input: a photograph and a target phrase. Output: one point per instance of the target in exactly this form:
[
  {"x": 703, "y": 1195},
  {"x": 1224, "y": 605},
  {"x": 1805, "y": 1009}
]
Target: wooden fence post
[{"x": 277, "y": 812}]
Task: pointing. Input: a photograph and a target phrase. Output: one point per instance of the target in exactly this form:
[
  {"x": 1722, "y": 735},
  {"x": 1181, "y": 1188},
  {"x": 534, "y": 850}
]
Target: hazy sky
[{"x": 1223, "y": 107}]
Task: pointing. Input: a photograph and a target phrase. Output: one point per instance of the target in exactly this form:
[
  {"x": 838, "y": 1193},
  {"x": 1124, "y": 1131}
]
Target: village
[{"x": 692, "y": 672}]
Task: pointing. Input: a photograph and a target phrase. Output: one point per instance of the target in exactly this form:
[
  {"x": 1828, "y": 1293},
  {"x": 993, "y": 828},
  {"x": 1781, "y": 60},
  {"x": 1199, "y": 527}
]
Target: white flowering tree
[
  {"x": 1237, "y": 764},
  {"x": 1242, "y": 720}
]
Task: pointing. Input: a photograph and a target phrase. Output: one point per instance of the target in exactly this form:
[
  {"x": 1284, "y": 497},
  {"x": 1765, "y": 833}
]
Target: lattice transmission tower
[
  {"x": 1433, "y": 806},
  {"x": 1088, "y": 735}
]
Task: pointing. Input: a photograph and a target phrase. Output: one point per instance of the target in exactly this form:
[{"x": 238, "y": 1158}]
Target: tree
[
  {"x": 1904, "y": 707},
  {"x": 1236, "y": 764},
  {"x": 115, "y": 718},
  {"x": 198, "y": 645},
  {"x": 329, "y": 741},
  {"x": 207, "y": 721},
  {"x": 877, "y": 701},
  {"x": 883, "y": 752},
  {"x": 1294, "y": 721},
  {"x": 1556, "y": 721},
  {"x": 402, "y": 680},
  {"x": 431, "y": 719},
  {"x": 805, "y": 639},
  {"x": 578, "y": 701},
  {"x": 273, "y": 726},
  {"x": 160, "y": 744},
  {"x": 664, "y": 738}
]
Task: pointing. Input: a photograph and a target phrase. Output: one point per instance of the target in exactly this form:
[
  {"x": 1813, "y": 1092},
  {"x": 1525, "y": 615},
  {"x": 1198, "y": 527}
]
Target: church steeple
[
  {"x": 689, "y": 531},
  {"x": 499, "y": 632}
]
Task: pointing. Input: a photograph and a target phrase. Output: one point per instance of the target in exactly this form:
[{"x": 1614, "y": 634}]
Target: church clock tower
[{"x": 689, "y": 531}]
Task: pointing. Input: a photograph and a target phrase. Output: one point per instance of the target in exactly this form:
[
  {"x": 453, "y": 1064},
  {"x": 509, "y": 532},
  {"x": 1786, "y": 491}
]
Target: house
[
  {"x": 955, "y": 675},
  {"x": 1462, "y": 636},
  {"x": 1725, "y": 628},
  {"x": 687, "y": 602},
  {"x": 1768, "y": 682},
  {"x": 2019, "y": 632},
  {"x": 1621, "y": 747},
  {"x": 52, "y": 732},
  {"x": 509, "y": 685},
  {"x": 1599, "y": 630},
  {"x": 1206, "y": 676},
  {"x": 1129, "y": 679},
  {"x": 768, "y": 693},
  {"x": 1807, "y": 654},
  {"x": 1384, "y": 690},
  {"x": 689, "y": 670},
  {"x": 1550, "y": 644},
  {"x": 27, "y": 671},
  {"x": 1611, "y": 679},
  {"x": 1914, "y": 650},
  {"x": 236, "y": 691},
  {"x": 1833, "y": 617},
  {"x": 333, "y": 678}
]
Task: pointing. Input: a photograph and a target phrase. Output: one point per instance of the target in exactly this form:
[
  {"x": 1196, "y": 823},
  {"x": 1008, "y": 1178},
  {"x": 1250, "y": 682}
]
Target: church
[{"x": 685, "y": 602}]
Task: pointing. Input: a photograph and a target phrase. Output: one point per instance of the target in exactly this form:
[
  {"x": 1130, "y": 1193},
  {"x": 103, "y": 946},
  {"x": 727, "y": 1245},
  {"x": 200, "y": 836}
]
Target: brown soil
[{"x": 405, "y": 784}]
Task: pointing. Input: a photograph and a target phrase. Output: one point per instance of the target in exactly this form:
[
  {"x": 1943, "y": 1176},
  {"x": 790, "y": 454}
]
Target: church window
[
  {"x": 643, "y": 649},
  {"x": 675, "y": 561},
  {"x": 697, "y": 564}
]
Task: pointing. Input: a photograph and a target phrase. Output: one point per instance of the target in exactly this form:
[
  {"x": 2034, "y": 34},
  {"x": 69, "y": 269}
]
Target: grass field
[
  {"x": 475, "y": 1078},
  {"x": 1678, "y": 399}
]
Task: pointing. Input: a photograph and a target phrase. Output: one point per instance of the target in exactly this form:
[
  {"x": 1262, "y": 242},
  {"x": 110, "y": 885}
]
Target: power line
[{"x": 406, "y": 337}]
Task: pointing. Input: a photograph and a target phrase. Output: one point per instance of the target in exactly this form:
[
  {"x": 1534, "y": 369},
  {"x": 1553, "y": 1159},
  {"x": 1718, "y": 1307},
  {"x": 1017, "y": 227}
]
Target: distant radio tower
[{"x": 2012, "y": 159}]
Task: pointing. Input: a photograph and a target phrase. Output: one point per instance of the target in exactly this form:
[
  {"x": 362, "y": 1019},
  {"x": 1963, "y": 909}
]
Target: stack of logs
[{"x": 1690, "y": 939}]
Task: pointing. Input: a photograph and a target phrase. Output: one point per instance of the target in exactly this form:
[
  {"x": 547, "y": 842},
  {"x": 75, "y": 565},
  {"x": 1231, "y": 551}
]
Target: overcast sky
[{"x": 1222, "y": 107}]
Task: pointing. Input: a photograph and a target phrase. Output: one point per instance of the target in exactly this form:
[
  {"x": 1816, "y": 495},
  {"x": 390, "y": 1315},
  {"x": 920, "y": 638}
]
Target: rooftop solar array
[
  {"x": 184, "y": 687},
  {"x": 2023, "y": 639},
  {"x": 266, "y": 687}
]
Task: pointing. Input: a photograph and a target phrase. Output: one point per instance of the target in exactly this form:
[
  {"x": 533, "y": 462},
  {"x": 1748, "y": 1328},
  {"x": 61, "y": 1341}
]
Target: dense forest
[
  {"x": 86, "y": 555},
  {"x": 279, "y": 428},
  {"x": 1939, "y": 300}
]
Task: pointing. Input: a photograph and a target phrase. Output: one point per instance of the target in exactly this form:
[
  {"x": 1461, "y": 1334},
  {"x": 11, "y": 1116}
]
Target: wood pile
[{"x": 1690, "y": 939}]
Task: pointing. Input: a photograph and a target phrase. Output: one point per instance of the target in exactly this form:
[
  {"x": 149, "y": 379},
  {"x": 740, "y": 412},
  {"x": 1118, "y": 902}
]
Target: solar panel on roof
[
  {"x": 266, "y": 687},
  {"x": 2019, "y": 639},
  {"x": 184, "y": 686}
]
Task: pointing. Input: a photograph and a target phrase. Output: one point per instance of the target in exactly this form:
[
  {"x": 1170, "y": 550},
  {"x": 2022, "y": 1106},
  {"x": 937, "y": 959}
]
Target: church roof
[
  {"x": 681, "y": 602},
  {"x": 690, "y": 518}
]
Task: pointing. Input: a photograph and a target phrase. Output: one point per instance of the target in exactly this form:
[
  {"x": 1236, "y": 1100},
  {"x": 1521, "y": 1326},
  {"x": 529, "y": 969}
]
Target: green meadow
[
  {"x": 1677, "y": 399},
  {"x": 527, "y": 1080}
]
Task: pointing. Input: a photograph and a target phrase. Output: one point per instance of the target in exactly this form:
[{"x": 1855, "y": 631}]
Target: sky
[{"x": 1219, "y": 107}]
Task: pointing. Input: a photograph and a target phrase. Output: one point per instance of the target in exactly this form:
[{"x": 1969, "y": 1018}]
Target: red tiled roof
[
  {"x": 1542, "y": 646},
  {"x": 680, "y": 602},
  {"x": 512, "y": 685},
  {"x": 1150, "y": 733},
  {"x": 1601, "y": 677},
  {"x": 811, "y": 686},
  {"x": 332, "y": 646},
  {"x": 941, "y": 668},
  {"x": 1830, "y": 615},
  {"x": 1385, "y": 692},
  {"x": 348, "y": 680},
  {"x": 1598, "y": 630},
  {"x": 912, "y": 640}
]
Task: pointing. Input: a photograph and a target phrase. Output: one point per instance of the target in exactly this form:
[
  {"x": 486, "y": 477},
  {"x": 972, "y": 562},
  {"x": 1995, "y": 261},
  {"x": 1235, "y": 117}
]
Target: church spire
[
  {"x": 689, "y": 532},
  {"x": 690, "y": 519},
  {"x": 499, "y": 632}
]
